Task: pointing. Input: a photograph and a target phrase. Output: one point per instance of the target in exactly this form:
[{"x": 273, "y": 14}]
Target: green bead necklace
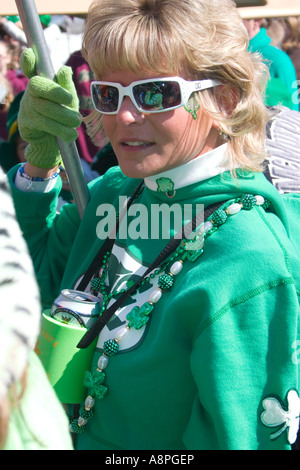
[{"x": 189, "y": 250}]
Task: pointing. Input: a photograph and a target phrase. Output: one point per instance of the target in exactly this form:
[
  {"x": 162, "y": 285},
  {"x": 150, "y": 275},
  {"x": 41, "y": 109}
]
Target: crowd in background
[{"x": 277, "y": 40}]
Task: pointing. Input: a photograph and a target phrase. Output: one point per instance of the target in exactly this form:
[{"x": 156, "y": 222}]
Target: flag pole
[{"x": 36, "y": 40}]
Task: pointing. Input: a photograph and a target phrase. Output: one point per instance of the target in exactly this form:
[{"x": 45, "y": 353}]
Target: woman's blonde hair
[{"x": 207, "y": 39}]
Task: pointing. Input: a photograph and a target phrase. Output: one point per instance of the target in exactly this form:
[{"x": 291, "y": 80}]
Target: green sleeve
[
  {"x": 244, "y": 355},
  {"x": 60, "y": 245},
  {"x": 49, "y": 237}
]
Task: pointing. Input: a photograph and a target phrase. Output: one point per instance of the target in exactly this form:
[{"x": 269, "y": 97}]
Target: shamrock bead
[
  {"x": 219, "y": 217},
  {"x": 93, "y": 382},
  {"x": 165, "y": 281},
  {"x": 110, "y": 347},
  {"x": 139, "y": 316},
  {"x": 248, "y": 201}
]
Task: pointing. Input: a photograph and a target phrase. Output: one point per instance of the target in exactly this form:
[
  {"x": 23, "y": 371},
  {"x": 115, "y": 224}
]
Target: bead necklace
[{"x": 188, "y": 250}]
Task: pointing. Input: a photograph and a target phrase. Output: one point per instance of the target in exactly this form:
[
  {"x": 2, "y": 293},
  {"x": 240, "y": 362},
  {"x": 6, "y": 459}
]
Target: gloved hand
[{"x": 48, "y": 110}]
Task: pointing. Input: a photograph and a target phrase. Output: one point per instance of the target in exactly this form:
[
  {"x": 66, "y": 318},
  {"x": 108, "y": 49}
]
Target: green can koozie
[{"x": 64, "y": 363}]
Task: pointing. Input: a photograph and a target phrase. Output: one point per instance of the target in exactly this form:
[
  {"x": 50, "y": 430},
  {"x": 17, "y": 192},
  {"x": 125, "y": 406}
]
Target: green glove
[{"x": 48, "y": 110}]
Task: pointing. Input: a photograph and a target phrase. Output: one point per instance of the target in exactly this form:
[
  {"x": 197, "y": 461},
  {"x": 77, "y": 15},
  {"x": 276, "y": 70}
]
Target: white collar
[{"x": 205, "y": 166}]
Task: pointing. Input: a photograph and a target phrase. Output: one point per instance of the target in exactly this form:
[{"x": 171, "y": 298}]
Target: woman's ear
[{"x": 227, "y": 98}]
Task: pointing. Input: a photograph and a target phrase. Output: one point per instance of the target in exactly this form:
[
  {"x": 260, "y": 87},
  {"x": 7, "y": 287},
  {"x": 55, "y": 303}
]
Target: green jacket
[
  {"x": 280, "y": 67},
  {"x": 216, "y": 367}
]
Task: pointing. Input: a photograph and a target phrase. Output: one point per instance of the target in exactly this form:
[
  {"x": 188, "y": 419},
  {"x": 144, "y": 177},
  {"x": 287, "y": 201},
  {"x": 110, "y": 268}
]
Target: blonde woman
[{"x": 196, "y": 344}]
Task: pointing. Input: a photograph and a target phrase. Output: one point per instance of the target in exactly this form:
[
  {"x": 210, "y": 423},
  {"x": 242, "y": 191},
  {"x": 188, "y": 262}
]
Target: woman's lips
[{"x": 135, "y": 145}]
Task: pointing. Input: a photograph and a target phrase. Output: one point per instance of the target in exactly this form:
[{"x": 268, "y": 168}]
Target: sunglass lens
[
  {"x": 105, "y": 97},
  {"x": 156, "y": 96}
]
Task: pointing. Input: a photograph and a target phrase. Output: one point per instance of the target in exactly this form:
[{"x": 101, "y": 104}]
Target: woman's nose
[{"x": 128, "y": 113}]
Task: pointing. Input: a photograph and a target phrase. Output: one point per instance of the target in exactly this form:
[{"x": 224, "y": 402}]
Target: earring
[
  {"x": 192, "y": 107},
  {"x": 223, "y": 134}
]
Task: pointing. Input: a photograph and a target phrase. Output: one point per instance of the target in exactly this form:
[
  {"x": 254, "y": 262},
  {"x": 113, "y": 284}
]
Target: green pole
[{"x": 35, "y": 37}]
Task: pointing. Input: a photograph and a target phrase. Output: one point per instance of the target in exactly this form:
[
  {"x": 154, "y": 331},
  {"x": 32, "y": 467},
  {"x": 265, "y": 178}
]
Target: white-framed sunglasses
[{"x": 149, "y": 96}]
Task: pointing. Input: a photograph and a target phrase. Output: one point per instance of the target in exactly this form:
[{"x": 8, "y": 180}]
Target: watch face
[{"x": 67, "y": 316}]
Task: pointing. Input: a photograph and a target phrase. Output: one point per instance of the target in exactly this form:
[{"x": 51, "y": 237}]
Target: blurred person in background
[
  {"x": 280, "y": 65},
  {"x": 82, "y": 77},
  {"x": 6, "y": 97},
  {"x": 12, "y": 149},
  {"x": 10, "y": 67},
  {"x": 291, "y": 42},
  {"x": 61, "y": 42}
]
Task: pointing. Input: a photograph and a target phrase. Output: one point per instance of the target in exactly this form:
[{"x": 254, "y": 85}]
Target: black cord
[{"x": 107, "y": 245}]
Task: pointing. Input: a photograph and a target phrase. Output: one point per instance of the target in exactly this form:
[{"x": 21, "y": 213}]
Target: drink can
[{"x": 76, "y": 308}]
